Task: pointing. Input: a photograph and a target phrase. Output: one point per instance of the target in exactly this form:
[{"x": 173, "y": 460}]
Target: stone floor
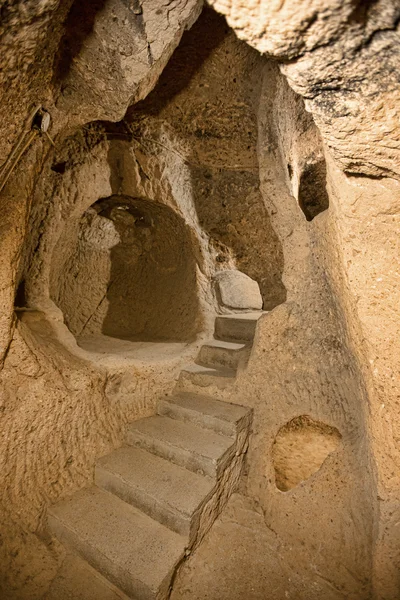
[
  {"x": 108, "y": 348},
  {"x": 240, "y": 559},
  {"x": 76, "y": 580}
]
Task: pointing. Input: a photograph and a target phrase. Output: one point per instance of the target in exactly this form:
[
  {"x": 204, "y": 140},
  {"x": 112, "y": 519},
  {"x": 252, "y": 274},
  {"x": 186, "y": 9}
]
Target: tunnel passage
[
  {"x": 208, "y": 98},
  {"x": 130, "y": 273}
]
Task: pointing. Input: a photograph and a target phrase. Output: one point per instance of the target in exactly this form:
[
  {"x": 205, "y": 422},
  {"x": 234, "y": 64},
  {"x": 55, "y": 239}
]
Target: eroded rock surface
[
  {"x": 286, "y": 170},
  {"x": 342, "y": 57},
  {"x": 113, "y": 52}
]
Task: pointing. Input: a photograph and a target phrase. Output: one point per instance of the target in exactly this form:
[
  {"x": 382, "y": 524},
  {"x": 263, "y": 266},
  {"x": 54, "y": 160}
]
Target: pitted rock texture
[
  {"x": 227, "y": 144},
  {"x": 239, "y": 543},
  {"x": 342, "y": 57},
  {"x": 300, "y": 449},
  {"x": 81, "y": 62},
  {"x": 145, "y": 272},
  {"x": 206, "y": 103},
  {"x": 113, "y": 52}
]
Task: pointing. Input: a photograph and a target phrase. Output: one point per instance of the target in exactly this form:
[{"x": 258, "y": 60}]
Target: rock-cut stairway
[{"x": 155, "y": 498}]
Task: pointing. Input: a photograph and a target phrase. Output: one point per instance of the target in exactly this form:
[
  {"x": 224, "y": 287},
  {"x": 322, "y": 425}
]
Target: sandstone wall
[
  {"x": 58, "y": 412},
  {"x": 242, "y": 158},
  {"x": 341, "y": 57}
]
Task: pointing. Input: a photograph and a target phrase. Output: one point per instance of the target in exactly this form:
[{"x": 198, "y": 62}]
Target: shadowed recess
[
  {"x": 300, "y": 449},
  {"x": 130, "y": 273}
]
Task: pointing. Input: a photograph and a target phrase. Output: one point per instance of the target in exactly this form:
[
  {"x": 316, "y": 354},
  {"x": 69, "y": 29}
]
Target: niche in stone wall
[
  {"x": 300, "y": 449},
  {"x": 130, "y": 273},
  {"x": 312, "y": 194},
  {"x": 301, "y": 146}
]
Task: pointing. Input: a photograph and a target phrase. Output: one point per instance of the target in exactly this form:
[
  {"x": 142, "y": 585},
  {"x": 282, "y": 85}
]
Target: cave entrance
[{"x": 130, "y": 274}]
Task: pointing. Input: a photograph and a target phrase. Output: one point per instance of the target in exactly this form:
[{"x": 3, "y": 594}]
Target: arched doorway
[{"x": 129, "y": 272}]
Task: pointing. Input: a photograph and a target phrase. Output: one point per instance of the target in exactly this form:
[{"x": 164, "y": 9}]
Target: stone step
[
  {"x": 77, "y": 580},
  {"x": 219, "y": 353},
  {"x": 166, "y": 492},
  {"x": 239, "y": 327},
  {"x": 222, "y": 417},
  {"x": 133, "y": 551},
  {"x": 185, "y": 444},
  {"x": 202, "y": 376}
]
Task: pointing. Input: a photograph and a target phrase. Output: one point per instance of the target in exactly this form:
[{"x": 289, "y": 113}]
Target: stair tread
[
  {"x": 182, "y": 435},
  {"x": 118, "y": 534},
  {"x": 160, "y": 479},
  {"x": 209, "y": 406},
  {"x": 225, "y": 345},
  {"x": 251, "y": 316},
  {"x": 237, "y": 327},
  {"x": 202, "y": 369}
]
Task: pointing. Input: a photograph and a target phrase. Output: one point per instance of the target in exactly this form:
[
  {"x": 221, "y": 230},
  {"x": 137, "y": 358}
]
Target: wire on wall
[{"x": 38, "y": 123}]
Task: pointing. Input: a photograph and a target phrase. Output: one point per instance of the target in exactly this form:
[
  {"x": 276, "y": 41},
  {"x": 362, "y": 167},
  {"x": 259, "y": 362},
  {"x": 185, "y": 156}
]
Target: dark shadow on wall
[
  {"x": 127, "y": 268},
  {"x": 152, "y": 290},
  {"x": 231, "y": 210},
  {"x": 78, "y": 27},
  {"x": 195, "y": 47},
  {"x": 313, "y": 196},
  {"x": 301, "y": 150},
  {"x": 207, "y": 97}
]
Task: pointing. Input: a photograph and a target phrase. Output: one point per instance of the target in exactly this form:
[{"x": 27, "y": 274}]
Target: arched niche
[{"x": 127, "y": 269}]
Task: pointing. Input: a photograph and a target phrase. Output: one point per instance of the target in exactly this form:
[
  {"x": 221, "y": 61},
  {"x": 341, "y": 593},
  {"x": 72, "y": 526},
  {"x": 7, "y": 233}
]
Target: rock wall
[
  {"x": 295, "y": 186},
  {"x": 205, "y": 106},
  {"x": 365, "y": 234},
  {"x": 130, "y": 273},
  {"x": 60, "y": 75},
  {"x": 302, "y": 368},
  {"x": 58, "y": 411},
  {"x": 341, "y": 58}
]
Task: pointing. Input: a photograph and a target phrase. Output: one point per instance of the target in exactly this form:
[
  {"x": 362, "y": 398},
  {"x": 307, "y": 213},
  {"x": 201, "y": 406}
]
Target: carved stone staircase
[{"x": 157, "y": 496}]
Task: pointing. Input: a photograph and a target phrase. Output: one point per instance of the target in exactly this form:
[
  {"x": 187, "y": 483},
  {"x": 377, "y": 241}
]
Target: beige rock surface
[
  {"x": 204, "y": 107},
  {"x": 76, "y": 580},
  {"x": 50, "y": 52},
  {"x": 342, "y": 58},
  {"x": 238, "y": 290},
  {"x": 116, "y": 45},
  {"x": 284, "y": 169},
  {"x": 242, "y": 558}
]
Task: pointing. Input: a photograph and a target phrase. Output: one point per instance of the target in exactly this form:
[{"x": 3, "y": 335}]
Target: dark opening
[
  {"x": 20, "y": 297},
  {"x": 313, "y": 196},
  {"x": 131, "y": 273}
]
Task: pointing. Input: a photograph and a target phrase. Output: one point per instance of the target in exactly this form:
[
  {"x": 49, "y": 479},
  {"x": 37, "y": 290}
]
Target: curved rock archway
[{"x": 130, "y": 272}]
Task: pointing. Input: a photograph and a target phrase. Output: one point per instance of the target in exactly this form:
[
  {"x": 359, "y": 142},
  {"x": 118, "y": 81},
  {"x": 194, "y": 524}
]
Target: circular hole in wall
[
  {"x": 299, "y": 450},
  {"x": 127, "y": 269}
]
